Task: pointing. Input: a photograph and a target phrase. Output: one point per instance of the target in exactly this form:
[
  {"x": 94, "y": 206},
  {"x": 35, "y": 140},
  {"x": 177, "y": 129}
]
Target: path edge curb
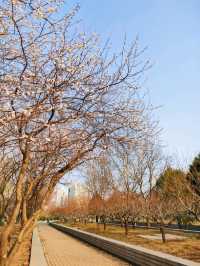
[{"x": 37, "y": 252}]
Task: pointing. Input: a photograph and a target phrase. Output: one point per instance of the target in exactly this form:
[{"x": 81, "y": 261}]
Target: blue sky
[{"x": 170, "y": 29}]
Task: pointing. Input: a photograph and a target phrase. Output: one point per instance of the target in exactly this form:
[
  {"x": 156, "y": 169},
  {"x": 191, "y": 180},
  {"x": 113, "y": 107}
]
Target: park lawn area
[{"x": 188, "y": 248}]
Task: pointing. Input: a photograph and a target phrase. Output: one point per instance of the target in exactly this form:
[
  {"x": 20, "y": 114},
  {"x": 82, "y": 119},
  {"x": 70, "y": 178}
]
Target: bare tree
[
  {"x": 162, "y": 209},
  {"x": 126, "y": 184},
  {"x": 148, "y": 163},
  {"x": 99, "y": 183}
]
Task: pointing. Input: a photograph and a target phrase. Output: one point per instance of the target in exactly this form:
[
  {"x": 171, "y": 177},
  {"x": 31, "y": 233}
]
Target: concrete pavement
[{"x": 64, "y": 250}]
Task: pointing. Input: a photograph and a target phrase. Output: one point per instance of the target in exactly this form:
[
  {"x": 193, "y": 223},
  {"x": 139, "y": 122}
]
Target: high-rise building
[
  {"x": 61, "y": 194},
  {"x": 76, "y": 190},
  {"x": 73, "y": 190}
]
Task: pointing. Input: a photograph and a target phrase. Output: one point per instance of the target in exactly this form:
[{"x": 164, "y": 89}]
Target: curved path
[{"x": 64, "y": 250}]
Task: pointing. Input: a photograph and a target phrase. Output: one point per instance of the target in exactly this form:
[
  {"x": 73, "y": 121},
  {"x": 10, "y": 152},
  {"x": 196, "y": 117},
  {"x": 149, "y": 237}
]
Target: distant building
[
  {"x": 76, "y": 190},
  {"x": 60, "y": 196},
  {"x": 72, "y": 191}
]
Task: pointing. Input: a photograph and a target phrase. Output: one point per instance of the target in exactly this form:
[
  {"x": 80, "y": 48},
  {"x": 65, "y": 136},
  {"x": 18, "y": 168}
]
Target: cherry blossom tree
[{"x": 63, "y": 99}]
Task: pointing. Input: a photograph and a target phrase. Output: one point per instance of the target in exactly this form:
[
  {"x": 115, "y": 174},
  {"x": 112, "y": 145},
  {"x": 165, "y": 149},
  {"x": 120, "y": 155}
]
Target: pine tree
[{"x": 194, "y": 174}]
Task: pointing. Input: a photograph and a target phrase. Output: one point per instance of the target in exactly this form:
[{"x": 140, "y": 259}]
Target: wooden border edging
[
  {"x": 37, "y": 252},
  {"x": 133, "y": 254}
]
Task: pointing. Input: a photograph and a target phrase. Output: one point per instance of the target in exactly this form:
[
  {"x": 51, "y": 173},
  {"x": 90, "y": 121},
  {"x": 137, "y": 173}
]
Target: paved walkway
[{"x": 63, "y": 250}]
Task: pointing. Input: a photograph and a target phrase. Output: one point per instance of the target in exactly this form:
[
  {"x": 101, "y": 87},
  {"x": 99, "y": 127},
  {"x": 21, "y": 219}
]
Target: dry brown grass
[{"x": 188, "y": 248}]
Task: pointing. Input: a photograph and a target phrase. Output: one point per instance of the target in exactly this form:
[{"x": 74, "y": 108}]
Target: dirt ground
[{"x": 188, "y": 248}]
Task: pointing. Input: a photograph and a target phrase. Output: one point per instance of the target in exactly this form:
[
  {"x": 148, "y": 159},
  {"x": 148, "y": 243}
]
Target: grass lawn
[{"x": 188, "y": 248}]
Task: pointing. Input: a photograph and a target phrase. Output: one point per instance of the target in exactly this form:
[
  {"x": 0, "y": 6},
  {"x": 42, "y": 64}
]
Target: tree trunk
[
  {"x": 148, "y": 222},
  {"x": 5, "y": 236},
  {"x": 121, "y": 223},
  {"x": 27, "y": 228},
  {"x": 4, "y": 247},
  {"x": 162, "y": 230},
  {"x": 24, "y": 213},
  {"x": 97, "y": 222},
  {"x": 2, "y": 206},
  {"x": 179, "y": 222},
  {"x": 4, "y": 241},
  {"x": 104, "y": 225},
  {"x": 133, "y": 223},
  {"x": 126, "y": 227}
]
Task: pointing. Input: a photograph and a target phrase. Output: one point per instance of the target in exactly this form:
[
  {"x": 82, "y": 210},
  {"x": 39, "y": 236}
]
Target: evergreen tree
[
  {"x": 172, "y": 182},
  {"x": 194, "y": 174}
]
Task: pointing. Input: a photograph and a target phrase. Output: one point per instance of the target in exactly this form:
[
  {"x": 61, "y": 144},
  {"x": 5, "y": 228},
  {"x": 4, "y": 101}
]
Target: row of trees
[
  {"x": 133, "y": 189},
  {"x": 64, "y": 99}
]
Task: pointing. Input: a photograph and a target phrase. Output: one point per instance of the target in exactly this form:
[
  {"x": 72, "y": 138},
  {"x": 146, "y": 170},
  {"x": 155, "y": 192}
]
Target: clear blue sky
[{"x": 170, "y": 29}]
